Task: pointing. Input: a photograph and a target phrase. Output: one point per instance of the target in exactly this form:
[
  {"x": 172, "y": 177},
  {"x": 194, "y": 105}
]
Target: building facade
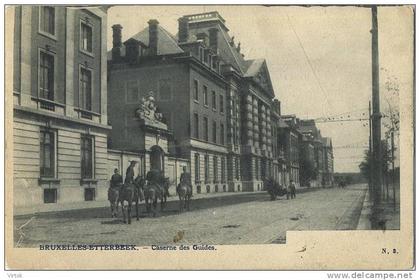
[
  {"x": 328, "y": 179},
  {"x": 217, "y": 105},
  {"x": 60, "y": 122}
]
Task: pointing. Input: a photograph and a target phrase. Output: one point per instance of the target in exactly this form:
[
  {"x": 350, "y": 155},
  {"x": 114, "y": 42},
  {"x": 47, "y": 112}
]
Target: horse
[
  {"x": 165, "y": 191},
  {"x": 184, "y": 193},
  {"x": 274, "y": 189},
  {"x": 152, "y": 193},
  {"x": 113, "y": 195},
  {"x": 131, "y": 193}
]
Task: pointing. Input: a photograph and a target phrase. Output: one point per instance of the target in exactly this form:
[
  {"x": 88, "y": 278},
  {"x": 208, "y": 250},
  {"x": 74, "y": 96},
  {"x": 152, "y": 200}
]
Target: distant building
[
  {"x": 328, "y": 179},
  {"x": 322, "y": 154},
  {"x": 60, "y": 105},
  {"x": 216, "y": 104},
  {"x": 290, "y": 139}
]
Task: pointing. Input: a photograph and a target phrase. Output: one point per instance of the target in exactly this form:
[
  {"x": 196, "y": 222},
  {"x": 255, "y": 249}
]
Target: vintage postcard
[{"x": 228, "y": 137}]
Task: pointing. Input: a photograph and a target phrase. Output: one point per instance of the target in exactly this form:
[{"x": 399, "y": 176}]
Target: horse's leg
[
  {"x": 129, "y": 211},
  {"x": 154, "y": 206},
  {"x": 188, "y": 203},
  {"x": 123, "y": 211},
  {"x": 137, "y": 208}
]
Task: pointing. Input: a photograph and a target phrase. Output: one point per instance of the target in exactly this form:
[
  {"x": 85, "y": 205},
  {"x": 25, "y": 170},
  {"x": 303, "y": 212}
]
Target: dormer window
[{"x": 201, "y": 53}]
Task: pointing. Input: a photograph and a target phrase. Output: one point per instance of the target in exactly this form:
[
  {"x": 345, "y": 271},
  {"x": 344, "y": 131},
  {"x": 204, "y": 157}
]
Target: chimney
[
  {"x": 153, "y": 36},
  {"x": 132, "y": 50},
  {"x": 183, "y": 30},
  {"x": 277, "y": 106},
  {"x": 213, "y": 38},
  {"x": 116, "y": 41}
]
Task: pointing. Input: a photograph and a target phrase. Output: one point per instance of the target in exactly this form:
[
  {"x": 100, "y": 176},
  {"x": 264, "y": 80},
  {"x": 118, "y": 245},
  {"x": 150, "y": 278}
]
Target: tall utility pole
[
  {"x": 370, "y": 153},
  {"x": 376, "y": 125},
  {"x": 393, "y": 167}
]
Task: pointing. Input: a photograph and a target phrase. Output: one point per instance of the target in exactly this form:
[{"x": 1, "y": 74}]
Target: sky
[{"x": 319, "y": 59}]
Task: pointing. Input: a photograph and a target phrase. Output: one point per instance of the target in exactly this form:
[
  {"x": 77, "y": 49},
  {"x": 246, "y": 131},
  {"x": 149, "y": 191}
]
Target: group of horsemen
[{"x": 153, "y": 177}]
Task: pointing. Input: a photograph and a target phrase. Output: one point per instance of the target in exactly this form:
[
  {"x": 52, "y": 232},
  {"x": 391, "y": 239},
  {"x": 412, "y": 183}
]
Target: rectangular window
[
  {"x": 132, "y": 92},
  {"x": 47, "y": 19},
  {"x": 195, "y": 90},
  {"x": 206, "y": 128},
  {"x": 205, "y": 96},
  {"x": 86, "y": 89},
  {"x": 214, "y": 63},
  {"x": 201, "y": 52},
  {"x": 237, "y": 168},
  {"x": 206, "y": 56},
  {"x": 86, "y": 37},
  {"x": 215, "y": 171},
  {"x": 89, "y": 194},
  {"x": 222, "y": 134},
  {"x": 47, "y": 156},
  {"x": 87, "y": 157},
  {"x": 214, "y": 132},
  {"x": 46, "y": 76},
  {"x": 206, "y": 169},
  {"x": 222, "y": 106},
  {"x": 196, "y": 126},
  {"x": 213, "y": 99},
  {"x": 50, "y": 195},
  {"x": 197, "y": 167},
  {"x": 223, "y": 167},
  {"x": 257, "y": 169},
  {"x": 165, "y": 89}
]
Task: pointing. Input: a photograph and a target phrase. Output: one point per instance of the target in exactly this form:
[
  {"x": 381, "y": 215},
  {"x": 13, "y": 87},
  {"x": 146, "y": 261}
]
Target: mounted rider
[
  {"x": 184, "y": 179},
  {"x": 116, "y": 179},
  {"x": 129, "y": 174},
  {"x": 155, "y": 177}
]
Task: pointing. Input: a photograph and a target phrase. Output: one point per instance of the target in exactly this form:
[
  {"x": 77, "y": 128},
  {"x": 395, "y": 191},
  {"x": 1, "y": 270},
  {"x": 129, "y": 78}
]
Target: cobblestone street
[{"x": 242, "y": 218}]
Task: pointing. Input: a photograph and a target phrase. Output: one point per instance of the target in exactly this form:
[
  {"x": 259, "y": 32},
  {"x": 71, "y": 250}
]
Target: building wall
[
  {"x": 60, "y": 116},
  {"x": 126, "y": 133}
]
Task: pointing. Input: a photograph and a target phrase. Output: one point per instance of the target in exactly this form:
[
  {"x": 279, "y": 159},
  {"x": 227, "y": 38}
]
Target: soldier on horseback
[
  {"x": 129, "y": 174},
  {"x": 116, "y": 179},
  {"x": 184, "y": 179}
]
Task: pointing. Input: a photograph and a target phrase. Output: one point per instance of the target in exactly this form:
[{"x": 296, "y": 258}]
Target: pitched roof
[
  {"x": 253, "y": 67},
  {"x": 167, "y": 44}
]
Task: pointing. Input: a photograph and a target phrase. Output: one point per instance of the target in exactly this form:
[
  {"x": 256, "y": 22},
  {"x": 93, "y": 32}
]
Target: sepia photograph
[{"x": 154, "y": 130}]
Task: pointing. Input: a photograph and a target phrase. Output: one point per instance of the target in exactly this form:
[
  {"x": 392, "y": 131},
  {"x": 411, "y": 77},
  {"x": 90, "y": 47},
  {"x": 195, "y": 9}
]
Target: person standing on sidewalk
[{"x": 292, "y": 189}]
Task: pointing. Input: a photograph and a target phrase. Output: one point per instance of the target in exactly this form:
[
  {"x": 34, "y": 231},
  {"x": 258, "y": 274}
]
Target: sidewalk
[
  {"x": 388, "y": 215},
  {"x": 74, "y": 206}
]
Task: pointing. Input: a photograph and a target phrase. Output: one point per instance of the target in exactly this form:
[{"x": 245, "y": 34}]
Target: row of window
[
  {"x": 47, "y": 80},
  {"x": 196, "y": 130},
  {"x": 48, "y": 155},
  {"x": 207, "y": 168},
  {"x": 47, "y": 26},
  {"x": 206, "y": 97}
]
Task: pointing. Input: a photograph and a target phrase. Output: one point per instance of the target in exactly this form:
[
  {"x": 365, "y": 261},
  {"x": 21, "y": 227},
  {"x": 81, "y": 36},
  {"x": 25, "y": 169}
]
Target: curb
[{"x": 364, "y": 219}]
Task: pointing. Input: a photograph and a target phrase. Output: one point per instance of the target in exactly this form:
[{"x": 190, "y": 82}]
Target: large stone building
[
  {"x": 328, "y": 179},
  {"x": 60, "y": 122},
  {"x": 290, "y": 139},
  {"x": 218, "y": 106}
]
